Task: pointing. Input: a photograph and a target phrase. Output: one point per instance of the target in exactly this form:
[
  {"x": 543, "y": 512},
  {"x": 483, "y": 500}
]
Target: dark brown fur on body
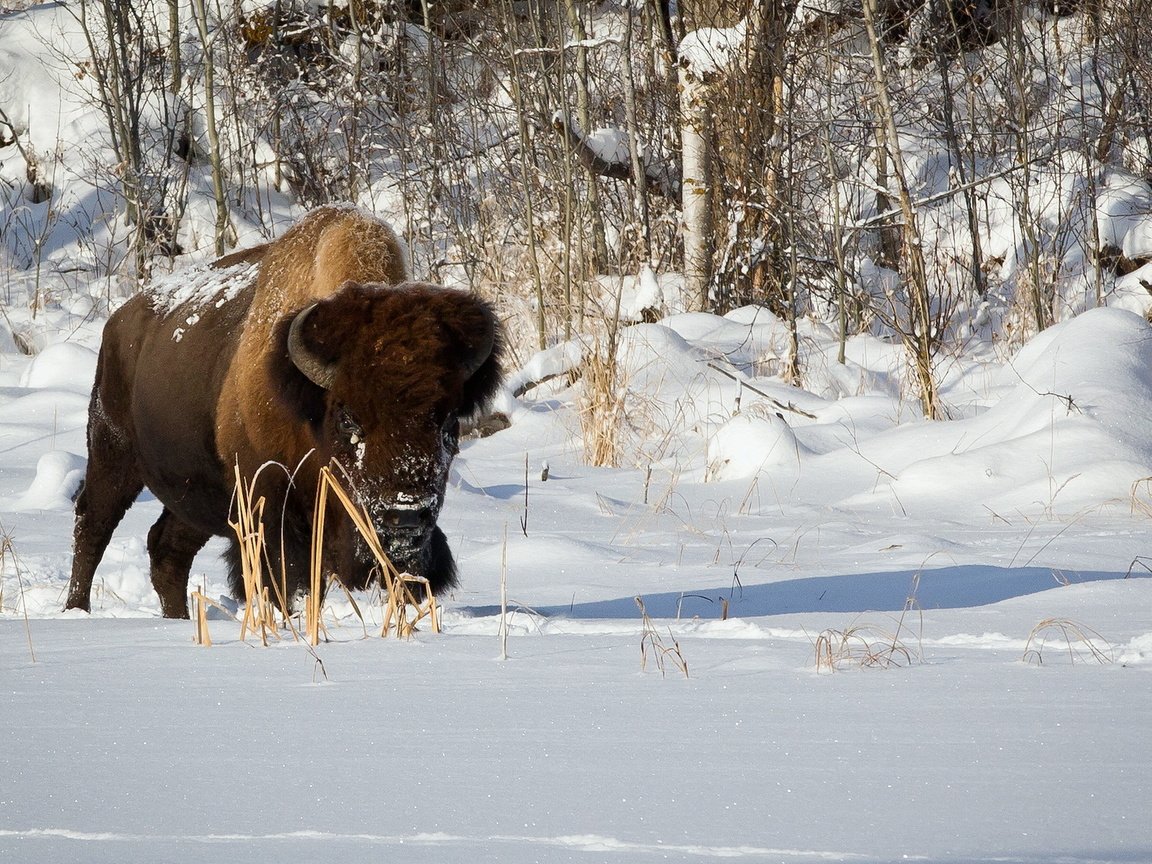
[{"x": 183, "y": 395}]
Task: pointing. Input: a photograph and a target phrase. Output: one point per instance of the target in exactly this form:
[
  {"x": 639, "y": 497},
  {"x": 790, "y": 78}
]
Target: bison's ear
[{"x": 482, "y": 349}]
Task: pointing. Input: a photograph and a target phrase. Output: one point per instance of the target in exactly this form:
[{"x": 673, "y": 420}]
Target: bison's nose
[{"x": 405, "y": 519}]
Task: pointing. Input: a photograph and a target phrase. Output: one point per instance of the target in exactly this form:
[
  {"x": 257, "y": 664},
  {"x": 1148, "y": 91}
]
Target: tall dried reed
[{"x": 398, "y": 588}]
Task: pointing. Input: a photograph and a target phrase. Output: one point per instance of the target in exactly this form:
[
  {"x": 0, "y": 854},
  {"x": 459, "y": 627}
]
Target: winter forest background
[{"x": 934, "y": 172}]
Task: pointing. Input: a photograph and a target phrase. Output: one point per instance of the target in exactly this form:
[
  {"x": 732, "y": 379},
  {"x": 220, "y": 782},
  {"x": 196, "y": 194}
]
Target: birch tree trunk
[{"x": 695, "y": 199}]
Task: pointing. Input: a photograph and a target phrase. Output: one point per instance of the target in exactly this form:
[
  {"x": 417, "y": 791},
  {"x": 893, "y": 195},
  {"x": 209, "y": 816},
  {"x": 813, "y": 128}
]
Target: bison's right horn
[{"x": 318, "y": 371}]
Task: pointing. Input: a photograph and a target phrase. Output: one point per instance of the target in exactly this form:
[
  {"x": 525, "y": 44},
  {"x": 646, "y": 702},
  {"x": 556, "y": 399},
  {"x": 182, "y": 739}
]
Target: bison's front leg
[{"x": 172, "y": 545}]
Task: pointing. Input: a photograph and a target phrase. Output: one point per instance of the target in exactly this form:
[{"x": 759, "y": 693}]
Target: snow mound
[
  {"x": 545, "y": 365},
  {"x": 1138, "y": 650},
  {"x": 1072, "y": 421},
  {"x": 712, "y": 50},
  {"x": 1124, "y": 215},
  {"x": 755, "y": 442},
  {"x": 58, "y": 478},
  {"x": 63, "y": 366}
]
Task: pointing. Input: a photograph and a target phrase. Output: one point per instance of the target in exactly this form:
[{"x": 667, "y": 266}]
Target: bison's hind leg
[
  {"x": 111, "y": 484},
  {"x": 172, "y": 545}
]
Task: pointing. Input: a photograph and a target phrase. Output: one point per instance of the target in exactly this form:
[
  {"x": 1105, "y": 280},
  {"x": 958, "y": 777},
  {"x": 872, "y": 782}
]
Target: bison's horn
[
  {"x": 481, "y": 350},
  {"x": 319, "y": 372}
]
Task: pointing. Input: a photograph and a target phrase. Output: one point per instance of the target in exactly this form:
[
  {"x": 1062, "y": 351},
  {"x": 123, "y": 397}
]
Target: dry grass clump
[
  {"x": 869, "y": 646},
  {"x": 259, "y": 610},
  {"x": 651, "y": 644},
  {"x": 602, "y": 408},
  {"x": 8, "y": 554},
  {"x": 398, "y": 588},
  {"x": 403, "y": 608},
  {"x": 1082, "y": 643},
  {"x": 1141, "y": 496},
  {"x": 864, "y": 645}
]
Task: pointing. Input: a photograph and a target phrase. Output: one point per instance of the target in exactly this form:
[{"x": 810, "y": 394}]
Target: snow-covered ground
[{"x": 856, "y": 533}]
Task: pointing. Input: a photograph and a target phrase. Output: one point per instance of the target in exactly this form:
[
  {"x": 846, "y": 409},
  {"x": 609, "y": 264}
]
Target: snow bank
[
  {"x": 1124, "y": 215},
  {"x": 58, "y": 478},
  {"x": 64, "y": 365},
  {"x": 751, "y": 444}
]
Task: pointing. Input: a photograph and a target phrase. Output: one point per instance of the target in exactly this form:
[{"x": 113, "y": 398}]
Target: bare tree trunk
[
  {"x": 177, "y": 71},
  {"x": 529, "y": 194},
  {"x": 696, "y": 205},
  {"x": 976, "y": 268},
  {"x": 225, "y": 233},
  {"x": 919, "y": 334},
  {"x": 584, "y": 118},
  {"x": 119, "y": 85},
  {"x": 639, "y": 175}
]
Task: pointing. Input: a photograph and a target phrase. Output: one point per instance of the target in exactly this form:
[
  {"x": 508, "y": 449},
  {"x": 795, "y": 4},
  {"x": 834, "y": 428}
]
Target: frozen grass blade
[
  {"x": 863, "y": 645},
  {"x": 1082, "y": 643},
  {"x": 8, "y": 552},
  {"x": 650, "y": 642},
  {"x": 399, "y": 595},
  {"x": 259, "y": 611}
]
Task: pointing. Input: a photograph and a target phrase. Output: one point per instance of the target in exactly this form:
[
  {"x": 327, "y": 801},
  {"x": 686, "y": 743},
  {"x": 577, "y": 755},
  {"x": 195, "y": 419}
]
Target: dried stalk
[
  {"x": 398, "y": 591},
  {"x": 661, "y": 654}
]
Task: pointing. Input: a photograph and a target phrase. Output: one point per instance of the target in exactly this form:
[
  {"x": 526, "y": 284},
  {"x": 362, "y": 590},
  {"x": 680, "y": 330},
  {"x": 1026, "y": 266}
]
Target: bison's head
[{"x": 382, "y": 374}]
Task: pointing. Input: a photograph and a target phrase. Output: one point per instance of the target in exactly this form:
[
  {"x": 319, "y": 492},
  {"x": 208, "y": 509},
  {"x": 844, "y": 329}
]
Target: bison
[{"x": 313, "y": 350}]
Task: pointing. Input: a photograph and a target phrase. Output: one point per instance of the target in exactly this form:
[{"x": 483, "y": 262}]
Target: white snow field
[{"x": 858, "y": 534}]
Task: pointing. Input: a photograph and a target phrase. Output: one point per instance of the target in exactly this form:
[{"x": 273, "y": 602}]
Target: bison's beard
[{"x": 423, "y": 554}]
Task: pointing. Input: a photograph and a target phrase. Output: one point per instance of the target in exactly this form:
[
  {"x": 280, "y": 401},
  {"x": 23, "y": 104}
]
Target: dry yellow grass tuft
[
  {"x": 1081, "y": 643},
  {"x": 259, "y": 611},
  {"x": 651, "y": 643},
  {"x": 399, "y": 595},
  {"x": 403, "y": 608}
]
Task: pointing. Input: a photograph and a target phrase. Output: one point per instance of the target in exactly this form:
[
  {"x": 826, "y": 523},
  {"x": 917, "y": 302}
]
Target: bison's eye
[{"x": 348, "y": 428}]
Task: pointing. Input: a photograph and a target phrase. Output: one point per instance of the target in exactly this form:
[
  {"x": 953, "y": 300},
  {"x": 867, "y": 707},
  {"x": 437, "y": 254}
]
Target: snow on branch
[
  {"x": 713, "y": 50},
  {"x": 605, "y": 152}
]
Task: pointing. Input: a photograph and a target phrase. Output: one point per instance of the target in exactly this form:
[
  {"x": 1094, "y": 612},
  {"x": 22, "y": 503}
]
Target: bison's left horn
[{"x": 318, "y": 371}]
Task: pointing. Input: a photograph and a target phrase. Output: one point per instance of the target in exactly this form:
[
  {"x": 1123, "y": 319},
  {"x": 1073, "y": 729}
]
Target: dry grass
[
  {"x": 403, "y": 609},
  {"x": 651, "y": 644},
  {"x": 200, "y": 604},
  {"x": 259, "y": 611},
  {"x": 1141, "y": 496},
  {"x": 863, "y": 645},
  {"x": 8, "y": 554},
  {"x": 602, "y": 405},
  {"x": 1080, "y": 642},
  {"x": 399, "y": 595},
  {"x": 869, "y": 646}
]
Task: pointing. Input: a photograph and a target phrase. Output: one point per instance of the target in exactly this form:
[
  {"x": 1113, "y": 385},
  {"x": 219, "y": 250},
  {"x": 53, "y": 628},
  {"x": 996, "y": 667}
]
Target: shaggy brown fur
[{"x": 184, "y": 394}]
